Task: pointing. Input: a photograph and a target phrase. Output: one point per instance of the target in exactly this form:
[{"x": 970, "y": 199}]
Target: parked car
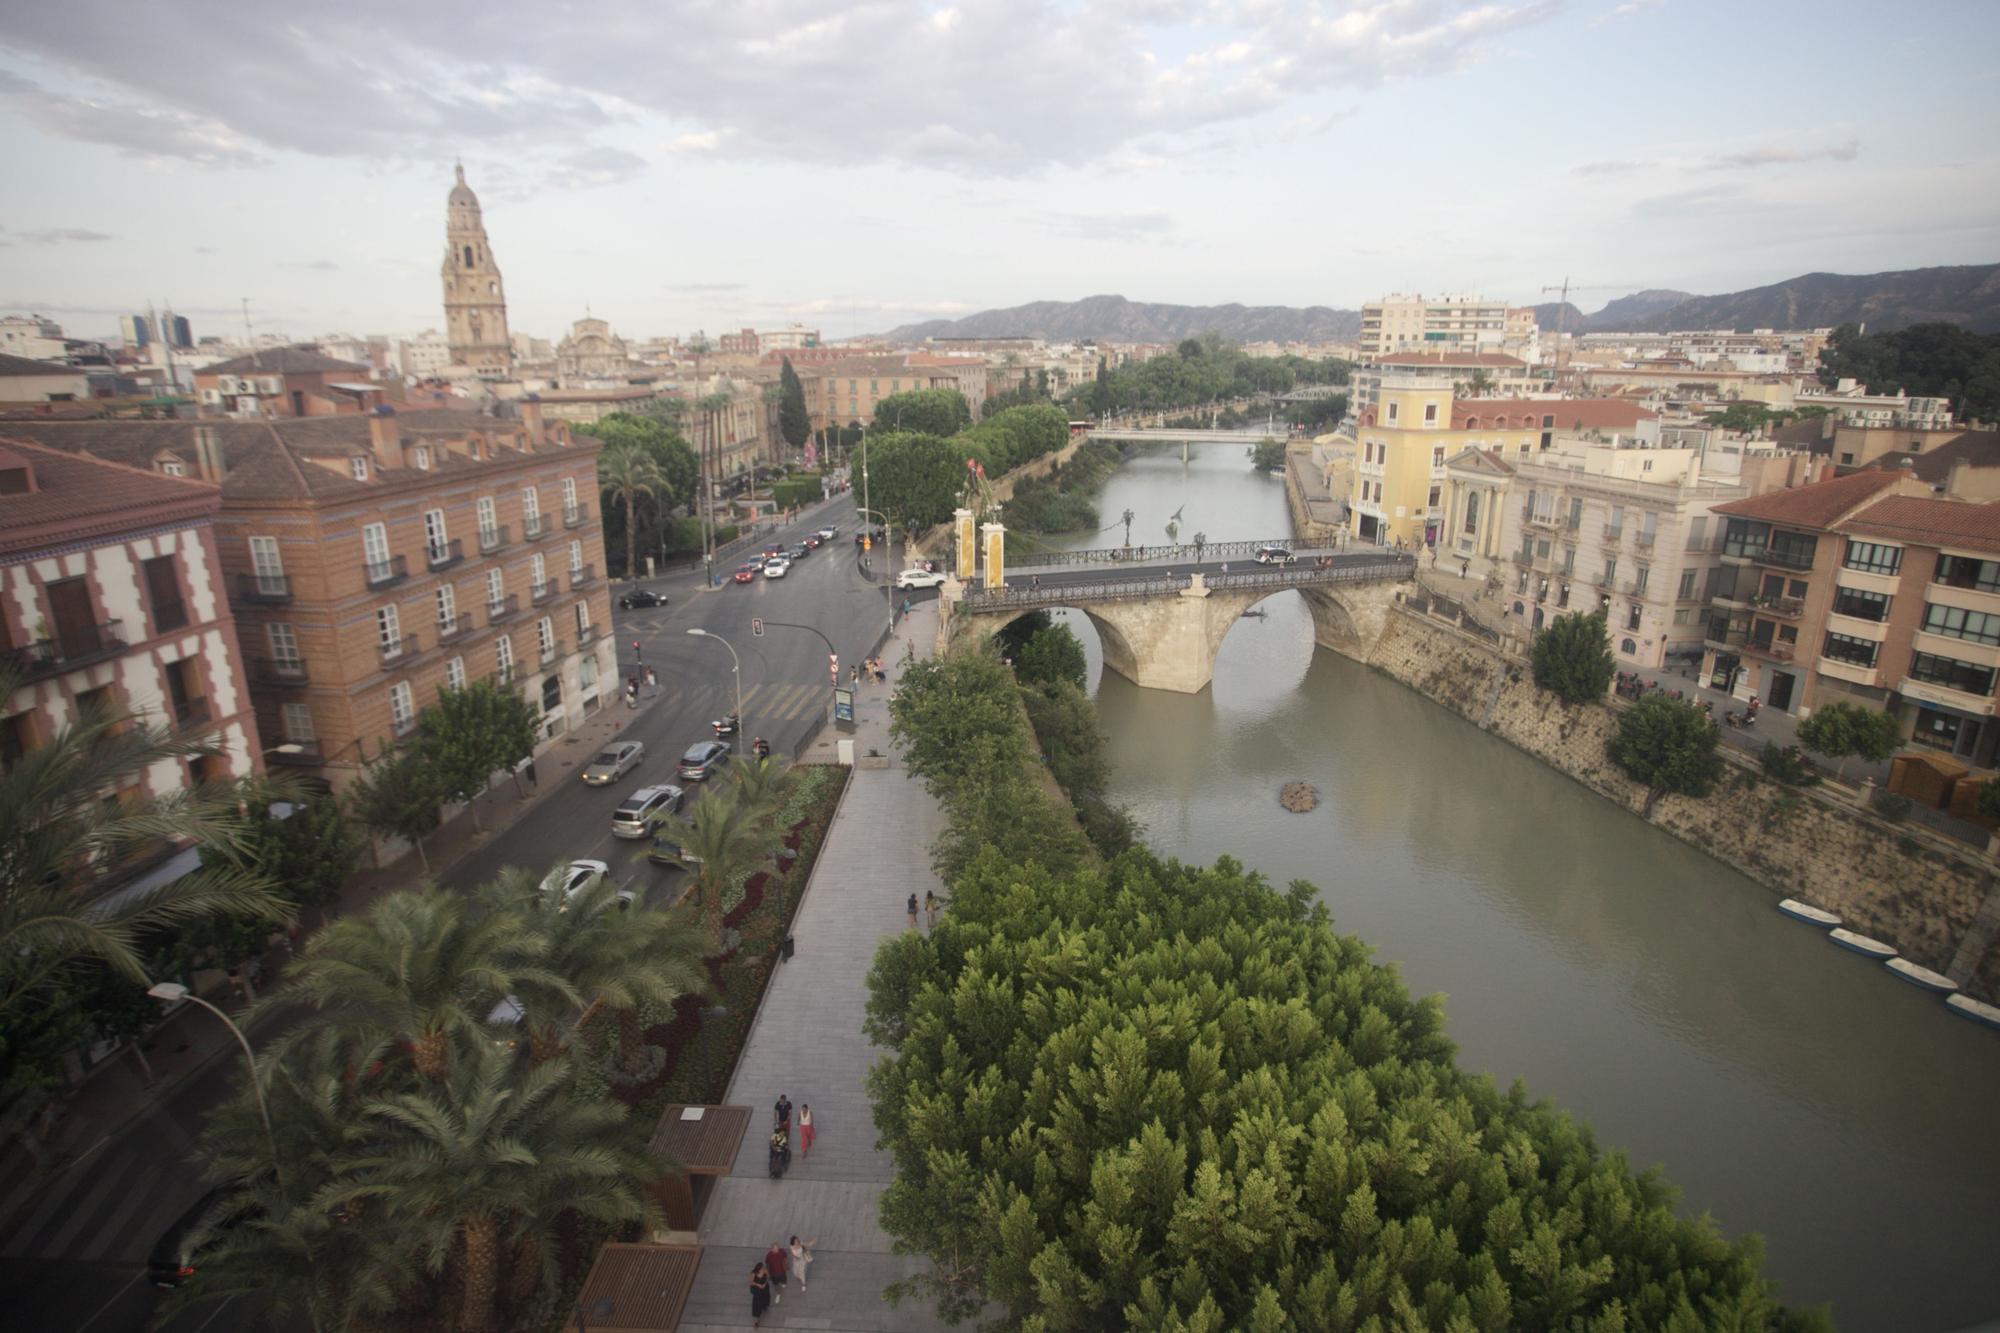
[
  {"x": 640, "y": 597},
  {"x": 778, "y": 568},
  {"x": 749, "y": 570},
  {"x": 614, "y": 763},
  {"x": 635, "y": 815},
  {"x": 1274, "y": 555},
  {"x": 178, "y": 1254},
  {"x": 703, "y": 759},
  {"x": 919, "y": 578}
]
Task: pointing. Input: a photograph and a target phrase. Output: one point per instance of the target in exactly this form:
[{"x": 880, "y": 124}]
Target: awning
[{"x": 636, "y": 1289}]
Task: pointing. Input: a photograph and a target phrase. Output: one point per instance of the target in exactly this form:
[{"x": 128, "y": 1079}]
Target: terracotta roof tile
[
  {"x": 1975, "y": 448},
  {"x": 1819, "y": 505},
  {"x": 284, "y": 361},
  {"x": 1920, "y": 520},
  {"x": 78, "y": 495}
]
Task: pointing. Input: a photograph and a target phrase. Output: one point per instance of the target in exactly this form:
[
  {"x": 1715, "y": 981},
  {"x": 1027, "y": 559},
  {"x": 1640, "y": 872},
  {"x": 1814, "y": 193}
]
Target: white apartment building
[
  {"x": 1853, "y": 405},
  {"x": 422, "y": 357},
  {"x": 1502, "y": 375},
  {"x": 33, "y": 337},
  {"x": 1433, "y": 324}
]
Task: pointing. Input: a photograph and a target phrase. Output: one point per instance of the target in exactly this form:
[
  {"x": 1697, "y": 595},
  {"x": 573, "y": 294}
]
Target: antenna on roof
[{"x": 247, "y": 336}]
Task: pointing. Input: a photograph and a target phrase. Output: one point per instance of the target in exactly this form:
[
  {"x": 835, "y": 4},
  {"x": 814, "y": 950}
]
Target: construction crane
[{"x": 1562, "y": 317}]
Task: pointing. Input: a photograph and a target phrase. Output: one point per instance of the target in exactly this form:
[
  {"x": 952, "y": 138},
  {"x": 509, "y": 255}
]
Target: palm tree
[
  {"x": 624, "y": 473},
  {"x": 609, "y": 956},
  {"x": 465, "y": 1163},
  {"x": 762, "y": 785},
  {"x": 725, "y": 840},
  {"x": 418, "y": 967},
  {"x": 73, "y": 823}
]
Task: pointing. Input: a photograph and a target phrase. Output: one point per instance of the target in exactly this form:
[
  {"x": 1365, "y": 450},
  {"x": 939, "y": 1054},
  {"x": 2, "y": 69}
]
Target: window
[
  {"x": 1846, "y": 648},
  {"x": 173, "y": 467},
  {"x": 435, "y": 540},
  {"x": 503, "y": 657},
  {"x": 1698, "y": 534},
  {"x": 1685, "y": 592},
  {"x": 1959, "y": 623},
  {"x": 284, "y": 644},
  {"x": 298, "y": 720},
  {"x": 1392, "y": 413},
  {"x": 575, "y": 558},
  {"x": 375, "y": 549},
  {"x": 358, "y": 466},
  {"x": 496, "y": 589},
  {"x": 447, "y": 609},
  {"x": 1873, "y": 557},
  {"x": 489, "y": 521},
  {"x": 402, "y": 707},
  {"x": 1471, "y": 512},
  {"x": 163, "y": 590},
  {"x": 1626, "y": 646},
  {"x": 1610, "y": 570},
  {"x": 422, "y": 457},
  {"x": 1569, "y": 560},
  {"x": 582, "y": 620},
  {"x": 545, "y": 635},
  {"x": 1865, "y": 605},
  {"x": 389, "y": 630},
  {"x": 1684, "y": 616},
  {"x": 454, "y": 674},
  {"x": 569, "y": 498},
  {"x": 1792, "y": 549},
  {"x": 531, "y": 511},
  {"x": 1616, "y": 523},
  {"x": 1946, "y": 731},
  {"x": 1632, "y": 619},
  {"x": 1960, "y": 571},
  {"x": 538, "y": 577},
  {"x": 1431, "y": 416},
  {"x": 1435, "y": 492},
  {"x": 1437, "y": 456},
  {"x": 1952, "y": 674},
  {"x": 267, "y": 565},
  {"x": 551, "y": 693},
  {"x": 1575, "y": 513}
]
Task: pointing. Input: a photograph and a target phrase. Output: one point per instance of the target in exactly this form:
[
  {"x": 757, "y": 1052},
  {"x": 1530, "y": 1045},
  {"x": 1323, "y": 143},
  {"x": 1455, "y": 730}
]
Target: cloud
[
  {"x": 980, "y": 87},
  {"x": 56, "y": 236},
  {"x": 1619, "y": 167},
  {"x": 1109, "y": 226},
  {"x": 1625, "y": 11},
  {"x": 697, "y": 288},
  {"x": 1845, "y": 151}
]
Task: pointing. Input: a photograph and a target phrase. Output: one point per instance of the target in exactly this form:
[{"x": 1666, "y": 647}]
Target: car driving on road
[
  {"x": 919, "y": 578},
  {"x": 636, "y": 813},
  {"x": 178, "y": 1253},
  {"x": 748, "y": 571},
  {"x": 1275, "y": 555},
  {"x": 577, "y": 873},
  {"x": 640, "y": 597},
  {"x": 778, "y": 568},
  {"x": 798, "y": 552},
  {"x": 613, "y": 763},
  {"x": 703, "y": 758},
  {"x": 827, "y": 533}
]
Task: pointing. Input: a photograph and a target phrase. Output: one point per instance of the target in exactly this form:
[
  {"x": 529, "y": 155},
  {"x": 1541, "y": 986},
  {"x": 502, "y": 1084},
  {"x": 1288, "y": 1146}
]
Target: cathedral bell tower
[{"x": 475, "y": 304}]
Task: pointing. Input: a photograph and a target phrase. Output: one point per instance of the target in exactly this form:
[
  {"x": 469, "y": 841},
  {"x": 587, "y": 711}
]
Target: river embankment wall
[{"x": 1893, "y": 882}]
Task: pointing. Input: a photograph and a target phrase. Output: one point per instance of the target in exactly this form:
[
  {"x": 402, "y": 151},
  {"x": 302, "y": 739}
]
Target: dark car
[
  {"x": 177, "y": 1256},
  {"x": 638, "y": 597},
  {"x": 668, "y": 850},
  {"x": 871, "y": 534},
  {"x": 772, "y": 552},
  {"x": 703, "y": 759},
  {"x": 799, "y": 552}
]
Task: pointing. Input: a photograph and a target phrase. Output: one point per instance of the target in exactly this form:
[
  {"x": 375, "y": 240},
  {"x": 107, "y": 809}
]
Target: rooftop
[
  {"x": 1921, "y": 520},
  {"x": 1975, "y": 448},
  {"x": 21, "y": 365},
  {"x": 1819, "y": 505},
  {"x": 1492, "y": 360},
  {"x": 76, "y": 496},
  {"x": 285, "y": 361}
]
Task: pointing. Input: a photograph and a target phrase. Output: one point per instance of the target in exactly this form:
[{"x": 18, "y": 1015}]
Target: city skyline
[{"x": 748, "y": 166}]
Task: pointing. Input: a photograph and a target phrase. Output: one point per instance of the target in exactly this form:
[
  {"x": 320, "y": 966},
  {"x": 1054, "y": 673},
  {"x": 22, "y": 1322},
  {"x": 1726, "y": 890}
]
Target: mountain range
[{"x": 1967, "y": 294}]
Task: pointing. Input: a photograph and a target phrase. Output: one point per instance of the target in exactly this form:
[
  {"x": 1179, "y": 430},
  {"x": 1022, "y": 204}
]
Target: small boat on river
[
  {"x": 1806, "y": 912},
  {"x": 1977, "y": 1010},
  {"x": 1862, "y": 945},
  {"x": 1922, "y": 976}
]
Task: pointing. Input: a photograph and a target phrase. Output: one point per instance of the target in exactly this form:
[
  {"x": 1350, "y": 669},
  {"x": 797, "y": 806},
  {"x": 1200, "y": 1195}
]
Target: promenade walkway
[{"x": 807, "y": 1043}]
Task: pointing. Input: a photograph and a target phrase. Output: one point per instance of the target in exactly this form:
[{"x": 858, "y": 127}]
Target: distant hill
[
  {"x": 1968, "y": 294},
  {"x": 1115, "y": 319}
]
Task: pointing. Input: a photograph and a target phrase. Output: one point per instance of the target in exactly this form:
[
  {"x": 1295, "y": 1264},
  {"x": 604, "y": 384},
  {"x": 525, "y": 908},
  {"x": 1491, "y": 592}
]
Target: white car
[
  {"x": 827, "y": 534},
  {"x": 614, "y": 763},
  {"x": 636, "y": 816},
  {"x": 576, "y": 874},
  {"x": 777, "y": 569},
  {"x": 919, "y": 578}
]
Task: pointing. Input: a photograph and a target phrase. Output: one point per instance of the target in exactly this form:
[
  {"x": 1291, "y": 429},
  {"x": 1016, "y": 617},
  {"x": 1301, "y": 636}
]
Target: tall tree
[
  {"x": 1572, "y": 659},
  {"x": 1667, "y": 744},
  {"x": 660, "y": 439},
  {"x": 399, "y": 796},
  {"x": 1843, "y": 731},
  {"x": 726, "y": 841},
  {"x": 67, "y": 847},
  {"x": 794, "y": 422},
  {"x": 914, "y": 479},
  {"x": 924, "y": 411},
  {"x": 625, "y": 473},
  {"x": 472, "y": 733},
  {"x": 310, "y": 849}
]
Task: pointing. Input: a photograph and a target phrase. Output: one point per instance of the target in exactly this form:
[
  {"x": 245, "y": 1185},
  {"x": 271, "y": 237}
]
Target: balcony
[
  {"x": 453, "y": 627},
  {"x": 505, "y": 609},
  {"x": 541, "y": 592},
  {"x": 1534, "y": 520},
  {"x": 575, "y": 516},
  {"x": 190, "y": 712},
  {"x": 1781, "y": 651},
  {"x": 532, "y": 528},
  {"x": 399, "y": 649},
  {"x": 1771, "y": 555},
  {"x": 443, "y": 555},
  {"x": 1645, "y": 539},
  {"x": 278, "y": 670},
  {"x": 503, "y": 675},
  {"x": 383, "y": 573},
  {"x": 1780, "y": 608},
  {"x": 76, "y": 647},
  {"x": 588, "y": 634},
  {"x": 494, "y": 539},
  {"x": 1613, "y": 533},
  {"x": 581, "y": 575},
  {"x": 263, "y": 589},
  {"x": 303, "y": 753},
  {"x": 552, "y": 652}
]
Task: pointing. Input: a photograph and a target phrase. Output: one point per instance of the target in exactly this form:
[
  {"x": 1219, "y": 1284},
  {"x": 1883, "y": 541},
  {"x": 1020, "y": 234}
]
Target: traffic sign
[
  {"x": 757, "y": 626},
  {"x": 833, "y": 666}
]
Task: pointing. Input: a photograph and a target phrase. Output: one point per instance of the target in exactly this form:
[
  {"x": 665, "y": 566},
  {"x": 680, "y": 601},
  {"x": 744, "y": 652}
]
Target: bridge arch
[{"x": 1119, "y": 654}]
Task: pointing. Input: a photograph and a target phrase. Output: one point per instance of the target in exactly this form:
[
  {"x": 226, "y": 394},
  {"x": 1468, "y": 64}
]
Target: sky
[{"x": 673, "y": 166}]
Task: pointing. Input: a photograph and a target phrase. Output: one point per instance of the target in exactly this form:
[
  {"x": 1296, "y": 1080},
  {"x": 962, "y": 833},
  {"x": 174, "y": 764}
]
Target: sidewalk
[{"x": 807, "y": 1043}]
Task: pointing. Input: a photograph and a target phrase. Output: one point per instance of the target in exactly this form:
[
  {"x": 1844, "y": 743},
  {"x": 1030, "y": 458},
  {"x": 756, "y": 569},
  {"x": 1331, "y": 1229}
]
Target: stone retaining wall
[{"x": 1883, "y": 879}]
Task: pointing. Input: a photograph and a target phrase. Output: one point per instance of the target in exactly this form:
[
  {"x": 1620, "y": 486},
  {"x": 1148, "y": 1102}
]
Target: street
[{"x": 73, "y": 1246}]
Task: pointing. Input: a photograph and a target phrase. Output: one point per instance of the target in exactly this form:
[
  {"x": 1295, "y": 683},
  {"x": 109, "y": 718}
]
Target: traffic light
[
  {"x": 867, "y": 542},
  {"x": 757, "y": 627},
  {"x": 833, "y": 667}
]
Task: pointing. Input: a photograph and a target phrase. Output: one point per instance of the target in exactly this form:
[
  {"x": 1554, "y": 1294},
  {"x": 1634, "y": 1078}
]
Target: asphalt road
[{"x": 73, "y": 1250}]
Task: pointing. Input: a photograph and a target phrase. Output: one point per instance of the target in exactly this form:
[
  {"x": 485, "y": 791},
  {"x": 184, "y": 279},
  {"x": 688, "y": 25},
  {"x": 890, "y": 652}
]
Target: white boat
[
  {"x": 1806, "y": 912},
  {"x": 1922, "y": 976},
  {"x": 1977, "y": 1010},
  {"x": 1862, "y": 945}
]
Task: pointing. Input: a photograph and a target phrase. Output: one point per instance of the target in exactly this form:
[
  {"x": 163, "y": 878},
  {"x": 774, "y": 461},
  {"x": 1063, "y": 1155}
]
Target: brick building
[
  {"x": 112, "y": 595},
  {"x": 286, "y": 382},
  {"x": 374, "y": 560}
]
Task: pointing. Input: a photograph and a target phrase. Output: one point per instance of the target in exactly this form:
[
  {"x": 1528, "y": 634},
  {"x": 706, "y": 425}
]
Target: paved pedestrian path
[{"x": 807, "y": 1043}]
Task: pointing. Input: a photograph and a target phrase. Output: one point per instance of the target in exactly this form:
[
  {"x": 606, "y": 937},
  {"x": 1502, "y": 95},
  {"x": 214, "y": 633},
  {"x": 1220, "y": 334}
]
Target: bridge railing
[
  {"x": 1302, "y": 575},
  {"x": 1185, "y": 552}
]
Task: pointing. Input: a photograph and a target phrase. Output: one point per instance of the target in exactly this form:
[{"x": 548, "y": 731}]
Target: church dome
[{"x": 461, "y": 195}]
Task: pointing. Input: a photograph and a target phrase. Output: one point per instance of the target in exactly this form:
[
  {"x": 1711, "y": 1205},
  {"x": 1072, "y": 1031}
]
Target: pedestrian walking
[
  {"x": 802, "y": 1257},
  {"x": 760, "y": 1293},
  {"x": 652, "y": 681},
  {"x": 805, "y": 1142},
  {"x": 913, "y": 911},
  {"x": 774, "y": 1264},
  {"x": 637, "y": 656},
  {"x": 930, "y": 909},
  {"x": 906, "y": 608},
  {"x": 782, "y": 1111}
]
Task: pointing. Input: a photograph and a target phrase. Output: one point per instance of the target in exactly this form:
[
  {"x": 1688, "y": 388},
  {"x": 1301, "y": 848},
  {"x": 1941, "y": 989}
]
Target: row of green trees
[
  {"x": 1149, "y": 1094},
  {"x": 918, "y": 476},
  {"x": 1936, "y": 360},
  {"x": 1202, "y": 370}
]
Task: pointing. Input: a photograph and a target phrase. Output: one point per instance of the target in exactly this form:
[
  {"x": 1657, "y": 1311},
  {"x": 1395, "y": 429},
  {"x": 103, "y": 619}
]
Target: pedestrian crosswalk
[
  {"x": 785, "y": 703},
  {"x": 112, "y": 1208}
]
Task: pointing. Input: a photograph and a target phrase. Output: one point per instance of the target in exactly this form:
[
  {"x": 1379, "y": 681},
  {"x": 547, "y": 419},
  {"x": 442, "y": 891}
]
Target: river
[{"x": 1786, "y": 1087}]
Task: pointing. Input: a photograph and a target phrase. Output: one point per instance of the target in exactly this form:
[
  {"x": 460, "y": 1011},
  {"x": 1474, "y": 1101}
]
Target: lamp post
[
  {"x": 172, "y": 992},
  {"x": 888, "y": 557},
  {"x": 735, "y": 667}
]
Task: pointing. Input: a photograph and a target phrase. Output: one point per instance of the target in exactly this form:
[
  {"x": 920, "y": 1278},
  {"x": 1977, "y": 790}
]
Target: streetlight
[
  {"x": 736, "y": 668},
  {"x": 172, "y": 992}
]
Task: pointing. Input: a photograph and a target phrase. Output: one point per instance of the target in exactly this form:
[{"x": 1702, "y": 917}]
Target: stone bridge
[{"x": 1162, "y": 629}]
